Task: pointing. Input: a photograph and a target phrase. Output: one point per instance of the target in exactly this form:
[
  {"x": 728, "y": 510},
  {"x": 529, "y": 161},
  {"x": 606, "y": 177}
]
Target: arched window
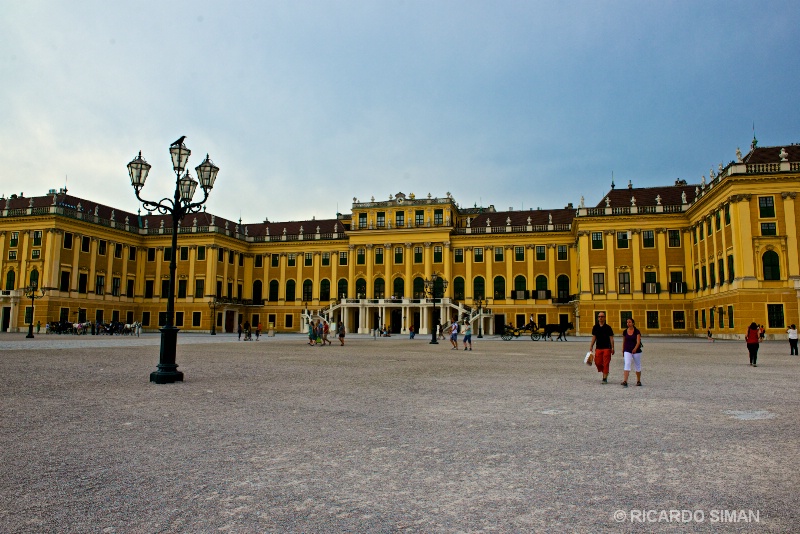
[
  {"x": 341, "y": 288},
  {"x": 458, "y": 288},
  {"x": 361, "y": 288},
  {"x": 519, "y": 283},
  {"x": 257, "y": 296},
  {"x": 274, "y": 285},
  {"x": 399, "y": 290},
  {"x": 541, "y": 283},
  {"x": 379, "y": 288},
  {"x": 34, "y": 278},
  {"x": 325, "y": 290},
  {"x": 563, "y": 286},
  {"x": 290, "y": 287},
  {"x": 499, "y": 287},
  {"x": 478, "y": 288},
  {"x": 419, "y": 288},
  {"x": 10, "y": 278},
  {"x": 772, "y": 265},
  {"x": 308, "y": 290}
]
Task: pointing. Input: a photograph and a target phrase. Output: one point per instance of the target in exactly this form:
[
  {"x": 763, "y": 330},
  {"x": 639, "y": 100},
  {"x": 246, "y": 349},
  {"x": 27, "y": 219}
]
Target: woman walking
[
  {"x": 792, "y": 340},
  {"x": 632, "y": 352},
  {"x": 341, "y": 333},
  {"x": 752, "y": 339},
  {"x": 468, "y": 335},
  {"x": 311, "y": 333}
]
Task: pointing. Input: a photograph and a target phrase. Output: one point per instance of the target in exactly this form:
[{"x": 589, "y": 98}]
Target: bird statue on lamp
[{"x": 179, "y": 142}]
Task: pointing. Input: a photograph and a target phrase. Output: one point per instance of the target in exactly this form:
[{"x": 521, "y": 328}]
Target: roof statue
[
  {"x": 658, "y": 200},
  {"x": 549, "y": 218},
  {"x": 583, "y": 205},
  {"x": 683, "y": 197},
  {"x": 529, "y": 220},
  {"x": 488, "y": 221},
  {"x": 703, "y": 182},
  {"x": 608, "y": 202},
  {"x": 633, "y": 201},
  {"x": 194, "y": 222},
  {"x": 738, "y": 155},
  {"x": 113, "y": 214},
  {"x": 508, "y": 221},
  {"x": 784, "y": 155},
  {"x": 96, "y": 211},
  {"x": 711, "y": 174}
]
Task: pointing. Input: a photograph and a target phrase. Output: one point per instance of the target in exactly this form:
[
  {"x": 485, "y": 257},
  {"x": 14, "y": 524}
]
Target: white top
[
  {"x": 454, "y": 328},
  {"x": 792, "y": 333}
]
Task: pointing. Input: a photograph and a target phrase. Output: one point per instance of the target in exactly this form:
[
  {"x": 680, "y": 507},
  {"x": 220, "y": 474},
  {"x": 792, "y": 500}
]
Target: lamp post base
[
  {"x": 30, "y": 332},
  {"x": 167, "y": 372}
]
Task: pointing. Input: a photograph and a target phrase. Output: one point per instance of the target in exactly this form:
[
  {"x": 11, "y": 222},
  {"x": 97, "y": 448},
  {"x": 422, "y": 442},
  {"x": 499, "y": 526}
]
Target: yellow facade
[{"x": 680, "y": 259}]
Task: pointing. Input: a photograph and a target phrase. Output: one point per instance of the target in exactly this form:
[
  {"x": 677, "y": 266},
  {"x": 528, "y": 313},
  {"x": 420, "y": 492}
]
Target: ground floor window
[
  {"x": 775, "y": 316},
  {"x": 730, "y": 316},
  {"x": 196, "y": 316},
  {"x": 162, "y": 318},
  {"x": 288, "y": 320},
  {"x": 145, "y": 318},
  {"x": 652, "y": 319},
  {"x": 623, "y": 318},
  {"x": 678, "y": 320},
  {"x": 178, "y": 318},
  {"x": 271, "y": 318}
]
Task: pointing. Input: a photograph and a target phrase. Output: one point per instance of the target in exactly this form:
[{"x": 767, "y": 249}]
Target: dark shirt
[
  {"x": 603, "y": 335},
  {"x": 628, "y": 342}
]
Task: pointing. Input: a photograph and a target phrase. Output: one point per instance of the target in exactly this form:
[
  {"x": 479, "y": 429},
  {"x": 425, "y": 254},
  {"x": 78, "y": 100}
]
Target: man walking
[
  {"x": 454, "y": 334},
  {"x": 603, "y": 336}
]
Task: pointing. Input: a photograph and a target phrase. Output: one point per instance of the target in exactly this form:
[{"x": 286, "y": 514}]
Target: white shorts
[{"x": 637, "y": 360}]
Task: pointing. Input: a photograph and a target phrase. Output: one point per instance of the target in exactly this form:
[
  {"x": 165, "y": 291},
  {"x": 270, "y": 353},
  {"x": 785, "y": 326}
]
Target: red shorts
[{"x": 602, "y": 360}]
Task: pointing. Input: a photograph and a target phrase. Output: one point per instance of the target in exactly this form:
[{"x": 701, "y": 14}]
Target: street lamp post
[
  {"x": 213, "y": 305},
  {"x": 33, "y": 292},
  {"x": 480, "y": 317},
  {"x": 179, "y": 206},
  {"x": 430, "y": 289}
]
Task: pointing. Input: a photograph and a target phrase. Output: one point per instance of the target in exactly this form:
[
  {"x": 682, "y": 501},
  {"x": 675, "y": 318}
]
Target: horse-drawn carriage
[{"x": 511, "y": 331}]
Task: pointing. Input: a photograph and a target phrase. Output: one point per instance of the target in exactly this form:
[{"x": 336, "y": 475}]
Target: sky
[{"x": 306, "y": 105}]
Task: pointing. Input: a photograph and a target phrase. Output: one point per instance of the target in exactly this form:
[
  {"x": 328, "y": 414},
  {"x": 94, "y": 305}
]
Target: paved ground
[{"x": 394, "y": 435}]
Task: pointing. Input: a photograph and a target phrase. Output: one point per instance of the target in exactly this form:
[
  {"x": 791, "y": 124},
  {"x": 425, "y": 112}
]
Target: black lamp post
[
  {"x": 179, "y": 206},
  {"x": 480, "y": 317},
  {"x": 430, "y": 289},
  {"x": 33, "y": 292},
  {"x": 213, "y": 305}
]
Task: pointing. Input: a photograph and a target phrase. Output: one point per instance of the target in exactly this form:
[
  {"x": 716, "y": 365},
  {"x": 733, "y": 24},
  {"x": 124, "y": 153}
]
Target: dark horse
[{"x": 550, "y": 329}]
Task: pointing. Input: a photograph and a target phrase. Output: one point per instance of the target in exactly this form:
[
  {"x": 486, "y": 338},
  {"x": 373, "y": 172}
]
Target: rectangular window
[
  {"x": 37, "y": 238},
  {"x": 101, "y": 247},
  {"x": 730, "y": 316},
  {"x": 151, "y": 254},
  {"x": 36, "y": 254},
  {"x": 652, "y": 319},
  {"x": 703, "y": 318},
  {"x": 540, "y": 253},
  {"x": 678, "y": 320},
  {"x": 288, "y": 320},
  {"x": 721, "y": 267},
  {"x": 419, "y": 217},
  {"x": 730, "y": 269},
  {"x": 220, "y": 255},
  {"x": 258, "y": 261},
  {"x": 437, "y": 254},
  {"x": 149, "y": 288},
  {"x": 711, "y": 318},
  {"x": 519, "y": 253},
  {"x": 362, "y": 220},
  {"x": 196, "y": 316},
  {"x": 291, "y": 260},
  {"x": 599, "y": 283},
  {"x": 275, "y": 260},
  {"x": 458, "y": 255},
  {"x": 694, "y": 235},
  {"x": 343, "y": 258},
  {"x": 86, "y": 243},
  {"x": 398, "y": 255},
  {"x": 167, "y": 253},
  {"x": 769, "y": 229},
  {"x": 498, "y": 253},
  {"x": 83, "y": 281},
  {"x": 230, "y": 257},
  {"x": 417, "y": 254},
  {"x": 438, "y": 216},
  {"x": 15, "y": 239},
  {"x": 164, "y": 289},
  {"x": 597, "y": 240},
  {"x": 116, "y": 285},
  {"x": 766, "y": 207},
  {"x": 241, "y": 259},
  {"x": 478, "y": 255},
  {"x": 378, "y": 255},
  {"x": 118, "y": 250},
  {"x": 648, "y": 239},
  {"x": 309, "y": 259},
  {"x": 775, "y": 316},
  {"x": 146, "y": 318},
  {"x": 67, "y": 240},
  {"x": 712, "y": 275},
  {"x": 622, "y": 239},
  {"x": 178, "y": 318},
  {"x": 727, "y": 211},
  {"x": 326, "y": 259},
  {"x": 623, "y": 318},
  {"x": 201, "y": 253},
  {"x": 400, "y": 219},
  {"x": 184, "y": 254},
  {"x": 100, "y": 285},
  {"x": 12, "y": 255},
  {"x": 674, "y": 238},
  {"x": 708, "y": 226},
  {"x": 130, "y": 289},
  {"x": 624, "y": 284},
  {"x": 199, "y": 288},
  {"x": 361, "y": 257},
  {"x": 182, "y": 288},
  {"x": 717, "y": 220},
  {"x": 380, "y": 219},
  {"x": 703, "y": 277},
  {"x": 562, "y": 252}
]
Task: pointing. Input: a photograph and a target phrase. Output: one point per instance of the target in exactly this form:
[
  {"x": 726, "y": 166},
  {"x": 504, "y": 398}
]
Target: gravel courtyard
[{"x": 395, "y": 435}]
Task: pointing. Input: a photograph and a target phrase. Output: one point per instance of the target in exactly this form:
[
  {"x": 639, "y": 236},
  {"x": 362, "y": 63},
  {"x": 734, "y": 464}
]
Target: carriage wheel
[
  {"x": 506, "y": 336},
  {"x": 535, "y": 336}
]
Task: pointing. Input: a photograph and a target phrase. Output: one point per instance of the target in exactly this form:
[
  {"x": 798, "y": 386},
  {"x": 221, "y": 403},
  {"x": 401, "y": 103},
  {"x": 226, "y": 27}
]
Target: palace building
[{"x": 680, "y": 258}]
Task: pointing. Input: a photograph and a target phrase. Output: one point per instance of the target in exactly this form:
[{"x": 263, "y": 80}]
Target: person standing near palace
[
  {"x": 632, "y": 352},
  {"x": 454, "y": 334},
  {"x": 752, "y": 338},
  {"x": 603, "y": 337},
  {"x": 792, "y": 340},
  {"x": 468, "y": 336}
]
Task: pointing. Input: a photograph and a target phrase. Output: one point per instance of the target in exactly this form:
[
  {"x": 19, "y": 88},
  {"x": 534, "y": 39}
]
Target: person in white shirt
[
  {"x": 454, "y": 335},
  {"x": 792, "y": 340}
]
